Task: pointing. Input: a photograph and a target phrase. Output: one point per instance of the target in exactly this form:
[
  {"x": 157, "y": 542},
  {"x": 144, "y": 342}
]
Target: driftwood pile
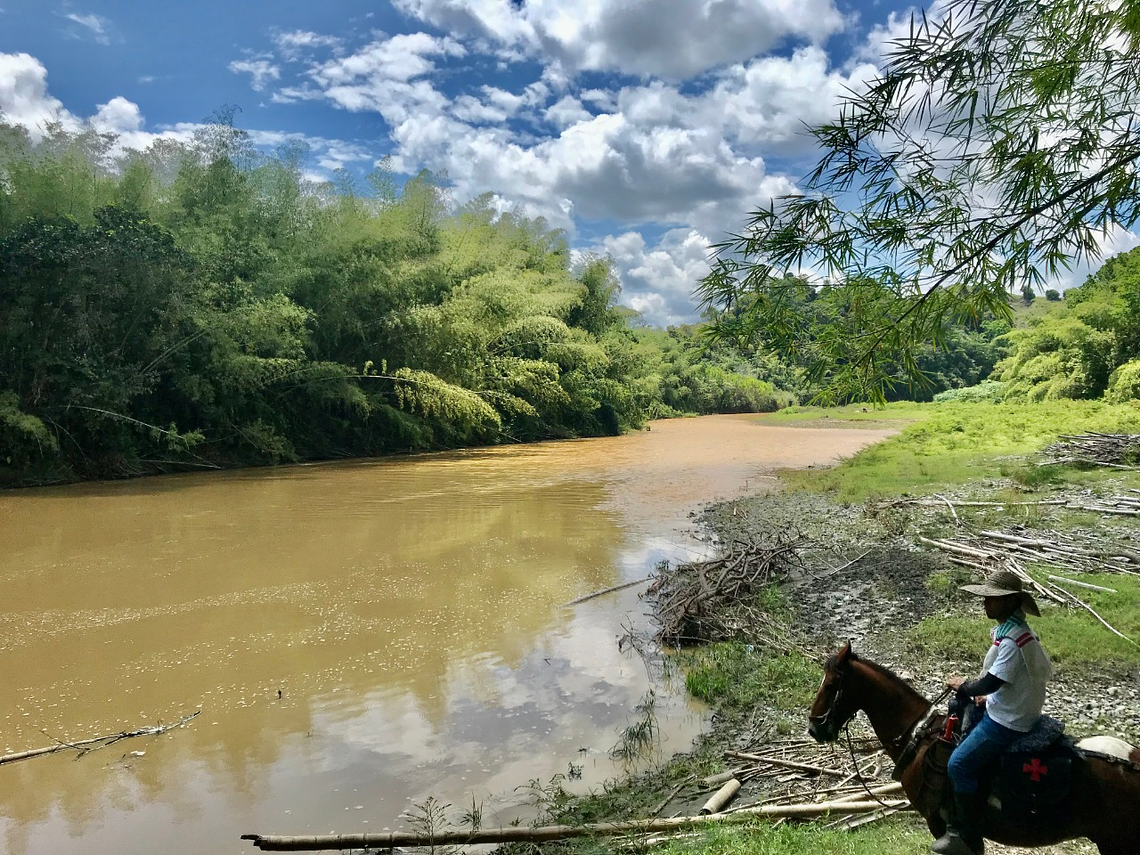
[
  {"x": 1118, "y": 451},
  {"x": 987, "y": 551},
  {"x": 705, "y": 601}
]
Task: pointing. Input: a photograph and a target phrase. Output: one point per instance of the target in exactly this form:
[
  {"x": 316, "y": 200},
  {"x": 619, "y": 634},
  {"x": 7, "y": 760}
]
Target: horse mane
[{"x": 882, "y": 670}]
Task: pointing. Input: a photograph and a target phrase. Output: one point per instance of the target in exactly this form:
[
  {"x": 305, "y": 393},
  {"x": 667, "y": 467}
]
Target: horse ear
[{"x": 845, "y": 651}]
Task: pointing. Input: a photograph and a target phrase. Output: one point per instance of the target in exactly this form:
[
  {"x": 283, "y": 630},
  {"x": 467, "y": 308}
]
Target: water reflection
[{"x": 356, "y": 635}]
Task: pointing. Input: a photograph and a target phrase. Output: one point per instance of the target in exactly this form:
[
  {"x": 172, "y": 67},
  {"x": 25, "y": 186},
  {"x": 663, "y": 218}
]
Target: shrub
[{"x": 1124, "y": 384}]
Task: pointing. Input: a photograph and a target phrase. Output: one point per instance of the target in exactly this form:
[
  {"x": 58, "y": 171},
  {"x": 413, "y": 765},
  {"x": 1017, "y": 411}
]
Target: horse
[{"x": 1103, "y": 802}]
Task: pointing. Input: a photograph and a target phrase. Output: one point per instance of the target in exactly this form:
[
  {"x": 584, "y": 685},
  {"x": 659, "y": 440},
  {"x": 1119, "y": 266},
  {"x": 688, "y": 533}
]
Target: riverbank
[{"x": 865, "y": 573}]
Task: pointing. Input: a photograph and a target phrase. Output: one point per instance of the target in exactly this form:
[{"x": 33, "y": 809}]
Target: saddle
[
  {"x": 1031, "y": 779},
  {"x": 1029, "y": 783}
]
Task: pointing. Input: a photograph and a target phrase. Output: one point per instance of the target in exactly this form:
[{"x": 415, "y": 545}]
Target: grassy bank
[{"x": 952, "y": 444}]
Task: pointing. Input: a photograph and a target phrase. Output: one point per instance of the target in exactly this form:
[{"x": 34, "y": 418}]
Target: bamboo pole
[
  {"x": 721, "y": 797},
  {"x": 513, "y": 834}
]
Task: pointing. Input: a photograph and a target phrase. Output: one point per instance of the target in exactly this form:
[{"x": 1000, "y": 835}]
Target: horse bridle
[{"x": 825, "y": 720}]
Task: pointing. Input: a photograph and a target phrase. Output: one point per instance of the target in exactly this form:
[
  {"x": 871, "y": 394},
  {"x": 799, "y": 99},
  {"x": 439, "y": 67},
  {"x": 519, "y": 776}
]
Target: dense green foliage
[
  {"x": 1086, "y": 347},
  {"x": 205, "y": 305},
  {"x": 818, "y": 319},
  {"x": 997, "y": 145}
]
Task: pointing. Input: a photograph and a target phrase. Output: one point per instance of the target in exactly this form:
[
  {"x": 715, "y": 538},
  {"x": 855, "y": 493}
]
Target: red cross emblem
[{"x": 1035, "y": 770}]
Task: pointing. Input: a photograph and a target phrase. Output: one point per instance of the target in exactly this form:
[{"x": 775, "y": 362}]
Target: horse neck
[{"x": 891, "y": 706}]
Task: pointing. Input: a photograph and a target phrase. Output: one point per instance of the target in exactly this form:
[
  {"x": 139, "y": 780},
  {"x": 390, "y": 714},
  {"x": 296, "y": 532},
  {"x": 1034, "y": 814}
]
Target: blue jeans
[{"x": 981, "y": 747}]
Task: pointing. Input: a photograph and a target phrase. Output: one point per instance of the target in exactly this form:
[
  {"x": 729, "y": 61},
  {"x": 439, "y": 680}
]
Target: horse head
[{"x": 834, "y": 705}]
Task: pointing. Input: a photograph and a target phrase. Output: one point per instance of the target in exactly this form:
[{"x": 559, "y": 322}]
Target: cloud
[
  {"x": 772, "y": 100},
  {"x": 674, "y": 39},
  {"x": 299, "y": 43},
  {"x": 95, "y": 25},
  {"x": 24, "y": 99},
  {"x": 658, "y": 281},
  {"x": 261, "y": 70},
  {"x": 117, "y": 116}
]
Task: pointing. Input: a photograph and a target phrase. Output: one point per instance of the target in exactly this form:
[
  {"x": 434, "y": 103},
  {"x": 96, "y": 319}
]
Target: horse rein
[{"x": 825, "y": 719}]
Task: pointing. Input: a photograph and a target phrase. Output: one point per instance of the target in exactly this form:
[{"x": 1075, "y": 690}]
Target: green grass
[
  {"x": 954, "y": 443},
  {"x": 901, "y": 836},
  {"x": 900, "y": 411},
  {"x": 732, "y": 677},
  {"x": 1073, "y": 637}
]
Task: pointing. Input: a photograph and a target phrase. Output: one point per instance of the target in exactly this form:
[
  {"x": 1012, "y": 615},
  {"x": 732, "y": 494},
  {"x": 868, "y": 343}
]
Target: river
[{"x": 358, "y": 636}]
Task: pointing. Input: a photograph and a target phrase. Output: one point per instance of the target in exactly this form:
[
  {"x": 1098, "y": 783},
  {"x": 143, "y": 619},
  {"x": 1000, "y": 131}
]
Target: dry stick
[
  {"x": 955, "y": 547},
  {"x": 953, "y": 512},
  {"x": 514, "y": 834},
  {"x": 894, "y": 787},
  {"x": 607, "y": 591},
  {"x": 790, "y": 764},
  {"x": 671, "y": 796},
  {"x": 930, "y": 504},
  {"x": 109, "y": 739},
  {"x": 1101, "y": 510},
  {"x": 1091, "y": 611},
  {"x": 1082, "y": 584}
]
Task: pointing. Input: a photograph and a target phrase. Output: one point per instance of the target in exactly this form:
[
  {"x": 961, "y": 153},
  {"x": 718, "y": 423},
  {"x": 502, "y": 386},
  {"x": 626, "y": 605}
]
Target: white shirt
[{"x": 1017, "y": 657}]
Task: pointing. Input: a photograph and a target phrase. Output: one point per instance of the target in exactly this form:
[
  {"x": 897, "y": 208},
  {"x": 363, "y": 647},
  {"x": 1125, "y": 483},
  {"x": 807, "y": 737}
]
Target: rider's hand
[{"x": 955, "y": 683}]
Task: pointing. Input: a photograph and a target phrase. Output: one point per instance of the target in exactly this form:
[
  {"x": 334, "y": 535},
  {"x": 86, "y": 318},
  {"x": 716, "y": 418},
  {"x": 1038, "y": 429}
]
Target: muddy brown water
[{"x": 358, "y": 636}]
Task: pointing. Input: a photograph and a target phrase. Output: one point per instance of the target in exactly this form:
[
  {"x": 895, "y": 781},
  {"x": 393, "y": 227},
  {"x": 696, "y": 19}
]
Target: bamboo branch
[
  {"x": 591, "y": 596},
  {"x": 1092, "y": 611},
  {"x": 109, "y": 739},
  {"x": 1068, "y": 581},
  {"x": 513, "y": 834},
  {"x": 789, "y": 764}
]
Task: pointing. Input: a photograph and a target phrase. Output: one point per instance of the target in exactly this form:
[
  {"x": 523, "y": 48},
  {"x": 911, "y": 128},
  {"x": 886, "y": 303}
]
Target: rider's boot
[{"x": 963, "y": 827}]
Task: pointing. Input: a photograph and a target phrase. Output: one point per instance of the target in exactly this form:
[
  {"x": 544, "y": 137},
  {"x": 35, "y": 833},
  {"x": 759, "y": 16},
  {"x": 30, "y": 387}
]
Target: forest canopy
[{"x": 203, "y": 304}]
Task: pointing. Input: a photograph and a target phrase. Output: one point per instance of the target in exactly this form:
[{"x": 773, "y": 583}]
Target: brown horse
[{"x": 1104, "y": 797}]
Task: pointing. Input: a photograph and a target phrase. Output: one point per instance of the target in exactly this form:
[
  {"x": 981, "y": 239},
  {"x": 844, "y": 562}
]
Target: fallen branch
[
  {"x": 622, "y": 587},
  {"x": 1088, "y": 585},
  {"x": 1092, "y": 611},
  {"x": 109, "y": 739},
  {"x": 514, "y": 834}
]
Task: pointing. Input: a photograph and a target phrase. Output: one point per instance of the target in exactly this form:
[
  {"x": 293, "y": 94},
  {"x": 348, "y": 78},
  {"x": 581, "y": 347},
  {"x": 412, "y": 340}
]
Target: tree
[{"x": 997, "y": 147}]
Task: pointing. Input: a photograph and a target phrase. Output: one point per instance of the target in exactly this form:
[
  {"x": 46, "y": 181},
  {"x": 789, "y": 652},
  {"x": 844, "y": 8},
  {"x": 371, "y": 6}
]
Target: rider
[{"x": 1011, "y": 689}]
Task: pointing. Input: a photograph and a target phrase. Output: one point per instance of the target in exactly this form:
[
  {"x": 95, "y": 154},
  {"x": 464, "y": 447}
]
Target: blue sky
[{"x": 646, "y": 128}]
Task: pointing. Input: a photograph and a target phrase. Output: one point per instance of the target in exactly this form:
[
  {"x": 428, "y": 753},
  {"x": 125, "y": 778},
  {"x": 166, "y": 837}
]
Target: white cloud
[
  {"x": 117, "y": 116},
  {"x": 95, "y": 25},
  {"x": 298, "y": 43},
  {"x": 567, "y": 111},
  {"x": 260, "y": 70},
  {"x": 658, "y": 281},
  {"x": 675, "y": 39},
  {"x": 772, "y": 99},
  {"x": 24, "y": 99}
]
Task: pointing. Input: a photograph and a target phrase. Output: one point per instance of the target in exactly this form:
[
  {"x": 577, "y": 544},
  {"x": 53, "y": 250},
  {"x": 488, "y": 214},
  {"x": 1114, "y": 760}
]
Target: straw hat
[{"x": 1002, "y": 583}]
